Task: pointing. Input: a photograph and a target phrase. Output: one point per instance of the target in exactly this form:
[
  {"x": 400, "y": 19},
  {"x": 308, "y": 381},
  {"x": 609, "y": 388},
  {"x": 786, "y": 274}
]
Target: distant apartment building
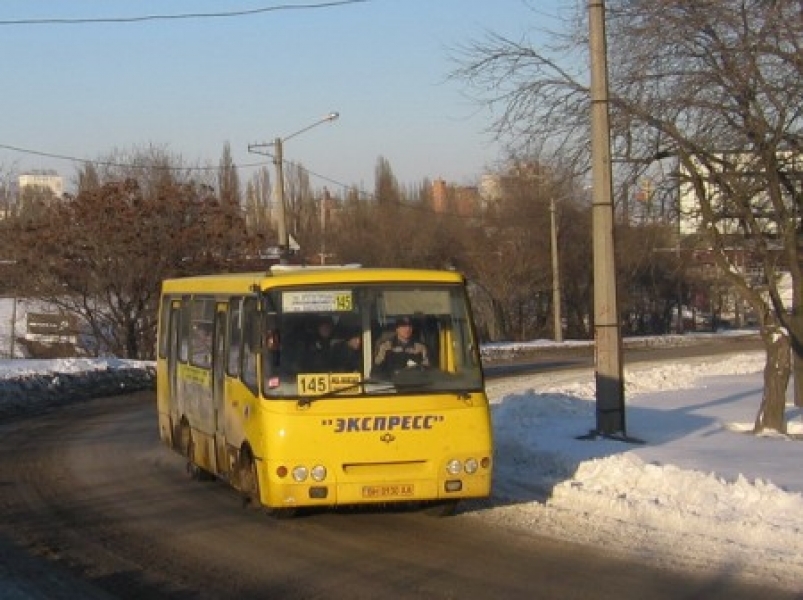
[
  {"x": 743, "y": 172},
  {"x": 463, "y": 201},
  {"x": 521, "y": 175},
  {"x": 491, "y": 189},
  {"x": 45, "y": 179}
]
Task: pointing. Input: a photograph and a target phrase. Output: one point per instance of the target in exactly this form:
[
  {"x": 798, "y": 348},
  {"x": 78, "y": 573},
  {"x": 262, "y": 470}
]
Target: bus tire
[
  {"x": 249, "y": 481},
  {"x": 183, "y": 438},
  {"x": 195, "y": 472},
  {"x": 249, "y": 486}
]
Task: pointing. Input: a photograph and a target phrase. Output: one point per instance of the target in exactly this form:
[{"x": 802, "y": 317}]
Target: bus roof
[{"x": 291, "y": 275}]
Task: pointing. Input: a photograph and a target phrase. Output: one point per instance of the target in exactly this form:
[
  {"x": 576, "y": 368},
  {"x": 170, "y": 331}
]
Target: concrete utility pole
[
  {"x": 281, "y": 218},
  {"x": 608, "y": 354},
  {"x": 278, "y": 161}
]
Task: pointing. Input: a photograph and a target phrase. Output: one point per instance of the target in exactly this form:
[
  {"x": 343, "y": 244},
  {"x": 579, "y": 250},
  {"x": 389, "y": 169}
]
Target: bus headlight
[
  {"x": 300, "y": 474},
  {"x": 318, "y": 472},
  {"x": 471, "y": 466},
  {"x": 453, "y": 467}
]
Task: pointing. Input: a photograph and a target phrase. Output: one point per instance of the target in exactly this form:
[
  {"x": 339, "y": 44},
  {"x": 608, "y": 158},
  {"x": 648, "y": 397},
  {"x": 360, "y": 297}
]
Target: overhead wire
[
  {"x": 196, "y": 15},
  {"x": 178, "y": 16},
  {"x": 143, "y": 18},
  {"x": 124, "y": 165},
  {"x": 109, "y": 163}
]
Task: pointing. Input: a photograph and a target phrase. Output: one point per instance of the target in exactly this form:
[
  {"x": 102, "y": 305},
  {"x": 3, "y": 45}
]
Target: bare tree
[
  {"x": 715, "y": 84},
  {"x": 401, "y": 230},
  {"x": 8, "y": 204},
  {"x": 386, "y": 187},
  {"x": 103, "y": 254},
  {"x": 300, "y": 205},
  {"x": 88, "y": 178},
  {"x": 511, "y": 253},
  {"x": 228, "y": 181},
  {"x": 258, "y": 203},
  {"x": 723, "y": 95}
]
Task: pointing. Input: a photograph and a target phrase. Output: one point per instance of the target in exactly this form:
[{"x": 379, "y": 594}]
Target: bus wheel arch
[
  {"x": 182, "y": 437},
  {"x": 186, "y": 447},
  {"x": 248, "y": 478}
]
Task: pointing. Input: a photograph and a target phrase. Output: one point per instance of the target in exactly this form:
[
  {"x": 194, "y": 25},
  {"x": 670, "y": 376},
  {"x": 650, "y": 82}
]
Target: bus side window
[
  {"x": 164, "y": 319},
  {"x": 250, "y": 323},
  {"x": 202, "y": 344},
  {"x": 202, "y": 330},
  {"x": 184, "y": 330},
  {"x": 235, "y": 338}
]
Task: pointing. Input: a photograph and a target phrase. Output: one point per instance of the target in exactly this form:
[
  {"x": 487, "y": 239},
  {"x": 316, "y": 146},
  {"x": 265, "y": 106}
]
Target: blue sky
[{"x": 191, "y": 85}]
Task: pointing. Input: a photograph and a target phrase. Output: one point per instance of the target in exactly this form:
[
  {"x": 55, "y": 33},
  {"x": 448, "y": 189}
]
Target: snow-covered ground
[{"x": 694, "y": 489}]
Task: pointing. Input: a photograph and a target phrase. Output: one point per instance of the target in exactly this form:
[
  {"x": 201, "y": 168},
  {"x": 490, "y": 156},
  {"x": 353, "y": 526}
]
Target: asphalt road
[
  {"x": 554, "y": 358},
  {"x": 95, "y": 507}
]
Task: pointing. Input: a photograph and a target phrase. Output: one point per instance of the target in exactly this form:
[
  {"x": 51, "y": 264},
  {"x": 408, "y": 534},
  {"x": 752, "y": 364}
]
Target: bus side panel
[{"x": 194, "y": 403}]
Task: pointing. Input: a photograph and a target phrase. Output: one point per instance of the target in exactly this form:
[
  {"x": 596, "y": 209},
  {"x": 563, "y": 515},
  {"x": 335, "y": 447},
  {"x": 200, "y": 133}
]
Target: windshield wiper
[{"x": 308, "y": 400}]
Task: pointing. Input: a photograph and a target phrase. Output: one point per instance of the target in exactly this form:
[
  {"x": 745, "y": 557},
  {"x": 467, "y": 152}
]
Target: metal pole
[
  {"x": 608, "y": 355},
  {"x": 324, "y": 197},
  {"x": 555, "y": 273}
]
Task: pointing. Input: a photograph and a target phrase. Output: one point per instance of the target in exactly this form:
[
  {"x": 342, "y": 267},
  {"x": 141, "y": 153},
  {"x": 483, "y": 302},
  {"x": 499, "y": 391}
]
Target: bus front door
[{"x": 219, "y": 383}]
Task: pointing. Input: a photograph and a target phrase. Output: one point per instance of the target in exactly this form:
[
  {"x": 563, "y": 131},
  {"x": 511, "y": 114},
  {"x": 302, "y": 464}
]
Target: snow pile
[{"x": 690, "y": 491}]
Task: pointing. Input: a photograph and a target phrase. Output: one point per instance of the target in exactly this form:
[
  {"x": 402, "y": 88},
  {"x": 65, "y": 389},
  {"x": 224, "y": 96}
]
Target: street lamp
[{"x": 278, "y": 161}]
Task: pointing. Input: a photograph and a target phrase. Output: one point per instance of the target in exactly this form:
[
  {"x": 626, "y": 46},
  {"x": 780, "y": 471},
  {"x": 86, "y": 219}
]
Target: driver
[{"x": 400, "y": 351}]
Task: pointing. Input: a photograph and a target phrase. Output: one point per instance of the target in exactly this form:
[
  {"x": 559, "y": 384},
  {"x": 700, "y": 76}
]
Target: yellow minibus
[{"x": 389, "y": 407}]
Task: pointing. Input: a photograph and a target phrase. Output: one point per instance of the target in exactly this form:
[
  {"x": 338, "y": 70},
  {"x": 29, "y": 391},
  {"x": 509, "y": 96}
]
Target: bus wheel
[
  {"x": 184, "y": 439},
  {"x": 195, "y": 472},
  {"x": 249, "y": 482},
  {"x": 442, "y": 508},
  {"x": 249, "y": 485}
]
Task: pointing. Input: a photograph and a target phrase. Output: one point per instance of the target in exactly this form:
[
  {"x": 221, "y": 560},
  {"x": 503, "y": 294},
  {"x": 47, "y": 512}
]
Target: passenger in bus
[
  {"x": 316, "y": 356},
  {"x": 400, "y": 351},
  {"x": 202, "y": 344},
  {"x": 347, "y": 353}
]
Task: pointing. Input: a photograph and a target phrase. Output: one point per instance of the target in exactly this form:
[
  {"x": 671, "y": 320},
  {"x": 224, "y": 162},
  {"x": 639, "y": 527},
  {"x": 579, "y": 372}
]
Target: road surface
[{"x": 95, "y": 507}]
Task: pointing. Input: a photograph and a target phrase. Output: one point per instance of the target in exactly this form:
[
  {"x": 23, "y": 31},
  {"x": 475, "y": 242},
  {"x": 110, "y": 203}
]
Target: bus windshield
[{"x": 357, "y": 339}]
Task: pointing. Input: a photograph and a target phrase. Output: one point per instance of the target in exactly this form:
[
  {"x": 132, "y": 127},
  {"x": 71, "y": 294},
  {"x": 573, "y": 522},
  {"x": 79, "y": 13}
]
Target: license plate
[{"x": 385, "y": 491}]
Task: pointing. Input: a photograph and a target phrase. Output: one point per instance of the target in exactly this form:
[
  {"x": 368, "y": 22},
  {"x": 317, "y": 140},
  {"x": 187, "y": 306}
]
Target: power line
[
  {"x": 181, "y": 16},
  {"x": 108, "y": 163},
  {"x": 125, "y": 165}
]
